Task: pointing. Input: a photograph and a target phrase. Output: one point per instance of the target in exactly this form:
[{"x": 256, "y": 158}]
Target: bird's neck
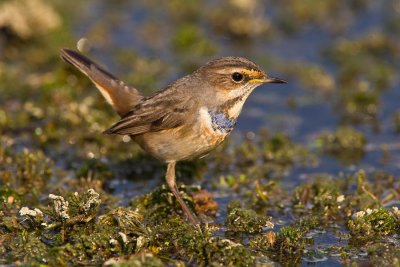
[{"x": 233, "y": 106}]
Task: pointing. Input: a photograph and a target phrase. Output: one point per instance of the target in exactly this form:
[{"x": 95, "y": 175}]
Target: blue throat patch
[{"x": 220, "y": 121}]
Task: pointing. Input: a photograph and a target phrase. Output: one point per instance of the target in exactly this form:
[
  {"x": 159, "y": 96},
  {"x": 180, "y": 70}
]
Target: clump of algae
[
  {"x": 347, "y": 144},
  {"x": 70, "y": 231},
  {"x": 374, "y": 223},
  {"x": 245, "y": 220},
  {"x": 27, "y": 171}
]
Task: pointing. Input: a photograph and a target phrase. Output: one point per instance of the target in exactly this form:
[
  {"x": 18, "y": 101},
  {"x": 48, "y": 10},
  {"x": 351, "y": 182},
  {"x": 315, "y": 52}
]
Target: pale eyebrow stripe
[{"x": 252, "y": 71}]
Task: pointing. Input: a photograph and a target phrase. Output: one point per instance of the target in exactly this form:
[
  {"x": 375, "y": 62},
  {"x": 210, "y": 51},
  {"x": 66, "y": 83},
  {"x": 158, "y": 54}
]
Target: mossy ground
[{"x": 328, "y": 195}]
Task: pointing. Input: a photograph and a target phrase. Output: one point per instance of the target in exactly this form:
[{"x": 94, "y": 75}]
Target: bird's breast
[{"x": 196, "y": 138}]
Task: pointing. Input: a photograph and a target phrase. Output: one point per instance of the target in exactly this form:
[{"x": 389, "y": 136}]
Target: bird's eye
[{"x": 237, "y": 77}]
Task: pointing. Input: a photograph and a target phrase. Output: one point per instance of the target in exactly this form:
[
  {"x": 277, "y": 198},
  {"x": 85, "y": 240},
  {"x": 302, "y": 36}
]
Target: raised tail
[{"x": 120, "y": 96}]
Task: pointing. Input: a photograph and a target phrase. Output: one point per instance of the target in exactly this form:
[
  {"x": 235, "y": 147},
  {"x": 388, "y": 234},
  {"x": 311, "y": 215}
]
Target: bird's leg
[{"x": 171, "y": 181}]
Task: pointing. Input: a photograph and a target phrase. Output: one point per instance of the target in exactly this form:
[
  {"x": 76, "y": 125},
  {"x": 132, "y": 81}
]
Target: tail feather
[{"x": 120, "y": 96}]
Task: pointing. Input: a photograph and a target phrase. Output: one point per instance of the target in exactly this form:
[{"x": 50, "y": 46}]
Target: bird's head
[{"x": 231, "y": 80}]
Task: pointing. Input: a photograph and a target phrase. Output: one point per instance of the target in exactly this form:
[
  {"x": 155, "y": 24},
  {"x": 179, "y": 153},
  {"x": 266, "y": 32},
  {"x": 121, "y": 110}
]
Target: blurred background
[{"x": 339, "y": 112}]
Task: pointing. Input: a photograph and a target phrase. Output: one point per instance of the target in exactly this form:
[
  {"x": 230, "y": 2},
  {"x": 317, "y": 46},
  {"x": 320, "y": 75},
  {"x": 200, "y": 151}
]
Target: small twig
[
  {"x": 370, "y": 194},
  {"x": 72, "y": 221}
]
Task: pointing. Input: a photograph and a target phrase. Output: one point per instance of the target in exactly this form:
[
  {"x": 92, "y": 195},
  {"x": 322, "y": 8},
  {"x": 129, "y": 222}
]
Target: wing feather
[{"x": 154, "y": 114}]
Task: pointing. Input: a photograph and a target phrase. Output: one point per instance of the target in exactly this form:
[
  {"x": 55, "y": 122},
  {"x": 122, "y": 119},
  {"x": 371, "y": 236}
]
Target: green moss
[
  {"x": 161, "y": 203},
  {"x": 290, "y": 239},
  {"x": 26, "y": 172},
  {"x": 361, "y": 104},
  {"x": 26, "y": 246},
  {"x": 175, "y": 236},
  {"x": 68, "y": 234},
  {"x": 324, "y": 196},
  {"x": 223, "y": 252},
  {"x": 372, "y": 223},
  {"x": 245, "y": 220},
  {"x": 265, "y": 241},
  {"x": 347, "y": 144},
  {"x": 285, "y": 246},
  {"x": 266, "y": 195}
]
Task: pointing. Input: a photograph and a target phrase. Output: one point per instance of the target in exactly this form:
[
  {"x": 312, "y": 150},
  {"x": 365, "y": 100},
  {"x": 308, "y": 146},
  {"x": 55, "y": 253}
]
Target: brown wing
[{"x": 163, "y": 111}]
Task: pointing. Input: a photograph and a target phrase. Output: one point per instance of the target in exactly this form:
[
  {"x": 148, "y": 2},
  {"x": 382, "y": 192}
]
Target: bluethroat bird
[{"x": 187, "y": 119}]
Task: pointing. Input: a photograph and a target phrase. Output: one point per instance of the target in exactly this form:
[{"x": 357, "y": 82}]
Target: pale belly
[
  {"x": 183, "y": 142},
  {"x": 178, "y": 144}
]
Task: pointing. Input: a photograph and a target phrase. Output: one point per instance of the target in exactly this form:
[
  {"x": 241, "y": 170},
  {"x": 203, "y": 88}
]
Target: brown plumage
[{"x": 187, "y": 119}]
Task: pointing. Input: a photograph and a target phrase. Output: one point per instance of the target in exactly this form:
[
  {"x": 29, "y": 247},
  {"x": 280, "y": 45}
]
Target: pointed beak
[
  {"x": 274, "y": 80},
  {"x": 268, "y": 80}
]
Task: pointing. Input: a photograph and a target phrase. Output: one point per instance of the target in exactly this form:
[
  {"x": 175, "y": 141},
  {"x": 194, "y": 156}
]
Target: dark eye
[{"x": 237, "y": 77}]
